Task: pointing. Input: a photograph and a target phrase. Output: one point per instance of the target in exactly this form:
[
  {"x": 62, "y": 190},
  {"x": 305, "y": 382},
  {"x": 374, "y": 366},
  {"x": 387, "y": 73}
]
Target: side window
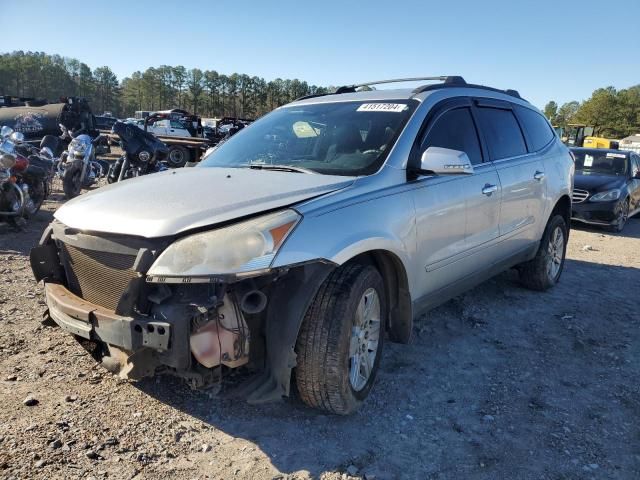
[
  {"x": 635, "y": 165},
  {"x": 502, "y": 133},
  {"x": 176, "y": 124},
  {"x": 456, "y": 130},
  {"x": 538, "y": 130}
]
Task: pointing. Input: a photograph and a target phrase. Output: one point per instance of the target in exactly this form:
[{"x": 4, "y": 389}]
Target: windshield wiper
[{"x": 280, "y": 168}]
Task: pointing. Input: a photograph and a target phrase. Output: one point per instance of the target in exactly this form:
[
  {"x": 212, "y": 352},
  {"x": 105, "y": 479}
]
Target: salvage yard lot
[{"x": 501, "y": 382}]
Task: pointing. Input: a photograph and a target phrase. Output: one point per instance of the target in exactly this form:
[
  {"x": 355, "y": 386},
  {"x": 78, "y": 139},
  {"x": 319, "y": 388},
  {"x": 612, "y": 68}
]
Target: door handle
[
  {"x": 538, "y": 175},
  {"x": 489, "y": 189}
]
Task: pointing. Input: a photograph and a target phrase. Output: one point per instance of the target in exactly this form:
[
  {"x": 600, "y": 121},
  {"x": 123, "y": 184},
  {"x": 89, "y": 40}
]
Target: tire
[
  {"x": 623, "y": 217},
  {"x": 178, "y": 156},
  {"x": 538, "y": 273},
  {"x": 38, "y": 196},
  {"x": 329, "y": 338},
  {"x": 71, "y": 182}
]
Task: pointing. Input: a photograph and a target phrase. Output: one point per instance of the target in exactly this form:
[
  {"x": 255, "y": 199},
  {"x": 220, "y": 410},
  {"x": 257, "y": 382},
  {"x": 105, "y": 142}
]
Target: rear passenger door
[
  {"x": 521, "y": 174},
  {"x": 456, "y": 215}
]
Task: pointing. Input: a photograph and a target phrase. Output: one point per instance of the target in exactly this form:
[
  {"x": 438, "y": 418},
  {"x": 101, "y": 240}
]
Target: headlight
[
  {"x": 78, "y": 146},
  {"x": 240, "y": 248},
  {"x": 607, "y": 196},
  {"x": 144, "y": 156}
]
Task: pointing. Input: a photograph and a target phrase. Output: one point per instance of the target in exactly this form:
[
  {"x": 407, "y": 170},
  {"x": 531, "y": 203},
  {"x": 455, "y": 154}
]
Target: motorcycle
[
  {"x": 45, "y": 157},
  {"x": 143, "y": 153},
  {"x": 22, "y": 184},
  {"x": 78, "y": 166}
]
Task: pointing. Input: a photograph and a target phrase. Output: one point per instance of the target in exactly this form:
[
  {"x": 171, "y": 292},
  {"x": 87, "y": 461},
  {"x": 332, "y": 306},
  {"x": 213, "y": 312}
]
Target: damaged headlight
[{"x": 239, "y": 248}]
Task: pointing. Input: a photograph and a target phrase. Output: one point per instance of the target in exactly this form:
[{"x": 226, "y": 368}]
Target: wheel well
[
  {"x": 394, "y": 275},
  {"x": 563, "y": 207}
]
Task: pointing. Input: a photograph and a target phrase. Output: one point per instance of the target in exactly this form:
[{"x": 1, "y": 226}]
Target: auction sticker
[
  {"x": 382, "y": 107},
  {"x": 588, "y": 160}
]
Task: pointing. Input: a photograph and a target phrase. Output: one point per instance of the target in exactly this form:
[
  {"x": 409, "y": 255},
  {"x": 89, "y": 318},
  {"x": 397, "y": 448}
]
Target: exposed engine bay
[{"x": 96, "y": 288}]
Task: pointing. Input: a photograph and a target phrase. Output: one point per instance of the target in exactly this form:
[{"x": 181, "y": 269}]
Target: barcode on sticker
[{"x": 382, "y": 107}]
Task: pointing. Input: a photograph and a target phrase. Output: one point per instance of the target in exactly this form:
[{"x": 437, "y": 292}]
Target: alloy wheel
[
  {"x": 623, "y": 216},
  {"x": 365, "y": 336},
  {"x": 556, "y": 253}
]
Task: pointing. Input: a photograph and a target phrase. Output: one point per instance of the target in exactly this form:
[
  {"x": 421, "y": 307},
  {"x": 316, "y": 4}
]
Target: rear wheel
[
  {"x": 178, "y": 156},
  {"x": 340, "y": 341},
  {"x": 38, "y": 193},
  {"x": 544, "y": 271}
]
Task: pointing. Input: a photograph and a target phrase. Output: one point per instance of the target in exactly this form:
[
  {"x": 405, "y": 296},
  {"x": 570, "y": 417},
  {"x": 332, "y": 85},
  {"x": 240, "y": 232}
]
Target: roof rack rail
[
  {"x": 447, "y": 79},
  {"x": 426, "y": 88}
]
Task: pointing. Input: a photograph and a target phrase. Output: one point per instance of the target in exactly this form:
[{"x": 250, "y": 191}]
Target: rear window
[
  {"x": 538, "y": 130},
  {"x": 502, "y": 133}
]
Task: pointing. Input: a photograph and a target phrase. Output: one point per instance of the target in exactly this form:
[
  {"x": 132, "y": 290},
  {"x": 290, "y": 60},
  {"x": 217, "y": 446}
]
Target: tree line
[
  {"x": 613, "y": 113},
  {"x": 204, "y": 92}
]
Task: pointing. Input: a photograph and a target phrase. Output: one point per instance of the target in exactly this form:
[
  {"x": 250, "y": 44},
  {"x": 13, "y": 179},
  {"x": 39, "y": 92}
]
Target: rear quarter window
[
  {"x": 502, "y": 133},
  {"x": 536, "y": 127}
]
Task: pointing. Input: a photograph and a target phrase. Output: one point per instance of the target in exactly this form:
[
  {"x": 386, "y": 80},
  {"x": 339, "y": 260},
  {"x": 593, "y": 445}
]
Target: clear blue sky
[{"x": 545, "y": 49}]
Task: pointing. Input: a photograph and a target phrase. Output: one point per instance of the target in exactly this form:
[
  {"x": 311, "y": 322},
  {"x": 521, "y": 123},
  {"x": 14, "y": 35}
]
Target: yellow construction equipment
[{"x": 581, "y": 135}]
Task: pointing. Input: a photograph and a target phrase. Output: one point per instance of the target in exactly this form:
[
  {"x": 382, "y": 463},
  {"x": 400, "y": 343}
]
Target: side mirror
[{"x": 444, "y": 161}]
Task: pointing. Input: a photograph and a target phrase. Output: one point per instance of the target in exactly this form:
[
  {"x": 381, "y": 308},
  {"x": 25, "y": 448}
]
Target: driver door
[{"x": 457, "y": 216}]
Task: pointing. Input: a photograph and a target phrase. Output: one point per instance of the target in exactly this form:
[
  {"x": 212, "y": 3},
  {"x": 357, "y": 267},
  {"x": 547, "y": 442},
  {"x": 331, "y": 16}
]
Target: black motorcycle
[{"x": 143, "y": 153}]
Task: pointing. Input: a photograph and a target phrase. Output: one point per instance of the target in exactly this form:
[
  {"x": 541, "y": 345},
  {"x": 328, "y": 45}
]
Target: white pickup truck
[{"x": 168, "y": 127}]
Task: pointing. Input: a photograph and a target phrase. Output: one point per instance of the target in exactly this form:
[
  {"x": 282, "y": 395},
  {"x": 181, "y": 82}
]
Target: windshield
[
  {"x": 347, "y": 138},
  {"x": 601, "y": 163}
]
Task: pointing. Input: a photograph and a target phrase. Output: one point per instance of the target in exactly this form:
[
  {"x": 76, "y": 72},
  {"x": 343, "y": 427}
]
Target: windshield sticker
[
  {"x": 382, "y": 107},
  {"x": 616, "y": 155},
  {"x": 588, "y": 160}
]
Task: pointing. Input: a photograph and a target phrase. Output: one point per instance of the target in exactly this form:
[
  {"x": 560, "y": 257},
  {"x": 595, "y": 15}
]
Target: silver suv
[{"x": 296, "y": 246}]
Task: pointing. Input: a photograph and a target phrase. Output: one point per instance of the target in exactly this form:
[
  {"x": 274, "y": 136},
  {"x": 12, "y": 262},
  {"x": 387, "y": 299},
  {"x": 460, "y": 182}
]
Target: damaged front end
[{"x": 117, "y": 291}]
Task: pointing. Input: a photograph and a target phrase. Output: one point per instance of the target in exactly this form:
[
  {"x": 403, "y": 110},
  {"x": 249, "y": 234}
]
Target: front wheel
[
  {"x": 72, "y": 182},
  {"x": 340, "y": 341},
  {"x": 544, "y": 271},
  {"x": 621, "y": 219}
]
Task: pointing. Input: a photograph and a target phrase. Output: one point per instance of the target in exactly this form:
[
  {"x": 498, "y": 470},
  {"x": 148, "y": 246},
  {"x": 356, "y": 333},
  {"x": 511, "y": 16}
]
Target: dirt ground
[{"x": 500, "y": 383}]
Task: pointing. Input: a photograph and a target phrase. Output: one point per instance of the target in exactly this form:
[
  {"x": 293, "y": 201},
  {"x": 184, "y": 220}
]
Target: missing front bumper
[{"x": 93, "y": 322}]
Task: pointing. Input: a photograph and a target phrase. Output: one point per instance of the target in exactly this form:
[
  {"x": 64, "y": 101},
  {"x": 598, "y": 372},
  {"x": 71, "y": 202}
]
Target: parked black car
[{"x": 607, "y": 187}]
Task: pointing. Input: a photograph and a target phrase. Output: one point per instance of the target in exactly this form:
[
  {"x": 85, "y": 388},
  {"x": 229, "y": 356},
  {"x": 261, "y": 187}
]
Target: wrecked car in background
[{"x": 302, "y": 241}]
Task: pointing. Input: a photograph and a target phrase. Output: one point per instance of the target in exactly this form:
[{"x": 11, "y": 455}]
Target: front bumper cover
[{"x": 596, "y": 213}]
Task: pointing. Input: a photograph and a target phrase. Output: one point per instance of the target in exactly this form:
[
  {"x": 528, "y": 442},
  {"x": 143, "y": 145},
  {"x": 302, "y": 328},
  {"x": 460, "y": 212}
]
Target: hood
[
  {"x": 597, "y": 183},
  {"x": 175, "y": 201}
]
